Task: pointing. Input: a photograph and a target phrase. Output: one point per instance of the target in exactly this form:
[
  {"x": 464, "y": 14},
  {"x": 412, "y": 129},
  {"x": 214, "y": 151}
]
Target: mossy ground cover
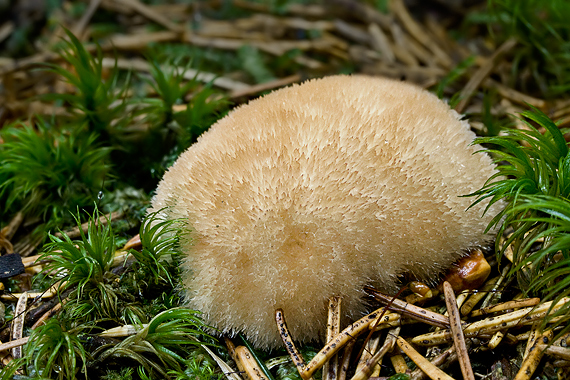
[{"x": 98, "y": 98}]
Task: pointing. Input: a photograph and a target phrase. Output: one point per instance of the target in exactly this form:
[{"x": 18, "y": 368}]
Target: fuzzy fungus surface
[{"x": 317, "y": 190}]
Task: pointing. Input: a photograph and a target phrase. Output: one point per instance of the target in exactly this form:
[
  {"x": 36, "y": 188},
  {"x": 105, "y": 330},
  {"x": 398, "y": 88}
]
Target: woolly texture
[{"x": 316, "y": 190}]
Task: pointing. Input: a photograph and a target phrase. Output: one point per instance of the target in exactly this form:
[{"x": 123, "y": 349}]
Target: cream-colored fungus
[{"x": 316, "y": 190}]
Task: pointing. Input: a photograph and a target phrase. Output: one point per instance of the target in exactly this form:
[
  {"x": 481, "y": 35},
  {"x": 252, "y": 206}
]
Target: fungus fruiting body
[{"x": 317, "y": 190}]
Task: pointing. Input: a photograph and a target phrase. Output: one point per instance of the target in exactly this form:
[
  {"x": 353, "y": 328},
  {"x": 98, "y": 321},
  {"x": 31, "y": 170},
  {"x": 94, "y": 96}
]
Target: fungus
[{"x": 316, "y": 190}]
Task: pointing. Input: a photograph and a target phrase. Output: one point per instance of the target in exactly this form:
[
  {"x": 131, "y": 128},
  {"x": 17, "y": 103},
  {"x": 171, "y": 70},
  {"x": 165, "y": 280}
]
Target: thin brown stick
[
  {"x": 231, "y": 348},
  {"x": 483, "y": 72},
  {"x": 381, "y": 43},
  {"x": 117, "y": 42},
  {"x": 345, "y": 362},
  {"x": 514, "y": 95},
  {"x": 515, "y": 304},
  {"x": 491, "y": 325},
  {"x": 6, "y": 30},
  {"x": 49, "y": 293},
  {"x": 559, "y": 352},
  {"x": 363, "y": 11},
  {"x": 445, "y": 358},
  {"x": 332, "y": 347},
  {"x": 249, "y": 364},
  {"x": 416, "y": 31},
  {"x": 431, "y": 370},
  {"x": 410, "y": 310},
  {"x": 18, "y": 323},
  {"x": 50, "y": 313},
  {"x": 399, "y": 363},
  {"x": 9, "y": 231},
  {"x": 536, "y": 352},
  {"x": 495, "y": 340},
  {"x": 148, "y": 12},
  {"x": 13, "y": 344},
  {"x": 506, "y": 269},
  {"x": 30, "y": 261},
  {"x": 296, "y": 357},
  {"x": 102, "y": 220},
  {"x": 188, "y": 73},
  {"x": 535, "y": 333},
  {"x": 370, "y": 346},
  {"x": 457, "y": 332},
  {"x": 252, "y": 90},
  {"x": 366, "y": 370},
  {"x": 330, "y": 369},
  {"x": 470, "y": 303},
  {"x": 80, "y": 26},
  {"x": 389, "y": 320}
]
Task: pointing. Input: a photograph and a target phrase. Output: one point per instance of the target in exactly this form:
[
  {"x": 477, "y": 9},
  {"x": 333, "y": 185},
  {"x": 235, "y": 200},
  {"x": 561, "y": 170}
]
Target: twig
[
  {"x": 494, "y": 294},
  {"x": 226, "y": 369},
  {"x": 416, "y": 31},
  {"x": 431, "y": 370},
  {"x": 381, "y": 43},
  {"x": 101, "y": 220},
  {"x": 188, "y": 73},
  {"x": 410, "y": 310},
  {"x": 18, "y": 323},
  {"x": 514, "y": 95},
  {"x": 515, "y": 304},
  {"x": 531, "y": 361},
  {"x": 399, "y": 363},
  {"x": 298, "y": 360},
  {"x": 147, "y": 12},
  {"x": 365, "y": 371},
  {"x": 491, "y": 325},
  {"x": 495, "y": 340},
  {"x": 458, "y": 338},
  {"x": 6, "y": 29},
  {"x": 49, "y": 293},
  {"x": 14, "y": 344},
  {"x": 332, "y": 347},
  {"x": 252, "y": 90},
  {"x": 330, "y": 369},
  {"x": 80, "y": 26},
  {"x": 364, "y": 12},
  {"x": 9, "y": 230},
  {"x": 248, "y": 364},
  {"x": 50, "y": 313},
  {"x": 345, "y": 362},
  {"x": 559, "y": 352},
  {"x": 470, "y": 303},
  {"x": 484, "y": 71},
  {"x": 445, "y": 358}
]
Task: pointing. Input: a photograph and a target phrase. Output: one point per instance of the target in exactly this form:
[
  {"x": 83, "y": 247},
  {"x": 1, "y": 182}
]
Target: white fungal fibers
[{"x": 317, "y": 190}]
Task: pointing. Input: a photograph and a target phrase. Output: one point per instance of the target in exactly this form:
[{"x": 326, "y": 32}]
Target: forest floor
[{"x": 139, "y": 82}]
